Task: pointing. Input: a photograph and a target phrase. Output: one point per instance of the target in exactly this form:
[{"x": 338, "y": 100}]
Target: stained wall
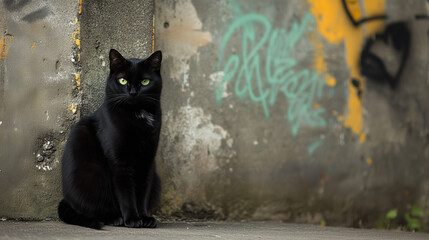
[{"x": 267, "y": 114}]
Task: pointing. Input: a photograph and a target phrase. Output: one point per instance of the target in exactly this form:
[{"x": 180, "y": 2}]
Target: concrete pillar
[{"x": 126, "y": 26}]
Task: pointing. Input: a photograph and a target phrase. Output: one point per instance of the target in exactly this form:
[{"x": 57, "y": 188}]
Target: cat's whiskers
[{"x": 116, "y": 100}]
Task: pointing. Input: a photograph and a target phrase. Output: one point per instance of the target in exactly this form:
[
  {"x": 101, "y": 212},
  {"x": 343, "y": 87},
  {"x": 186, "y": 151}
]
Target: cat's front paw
[
  {"x": 116, "y": 222},
  {"x": 149, "y": 222},
  {"x": 133, "y": 223}
]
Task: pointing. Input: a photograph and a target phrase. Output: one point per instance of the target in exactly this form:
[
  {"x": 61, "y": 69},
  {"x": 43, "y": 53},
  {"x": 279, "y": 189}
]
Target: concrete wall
[
  {"x": 266, "y": 112},
  {"x": 53, "y": 68},
  {"x": 267, "y": 115},
  {"x": 38, "y": 68}
]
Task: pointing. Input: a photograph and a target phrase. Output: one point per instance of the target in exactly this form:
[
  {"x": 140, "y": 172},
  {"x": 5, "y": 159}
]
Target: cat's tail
[{"x": 68, "y": 215}]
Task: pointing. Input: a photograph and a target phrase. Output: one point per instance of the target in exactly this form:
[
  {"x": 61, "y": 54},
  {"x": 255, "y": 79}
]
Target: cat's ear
[
  {"x": 155, "y": 60},
  {"x": 116, "y": 60}
]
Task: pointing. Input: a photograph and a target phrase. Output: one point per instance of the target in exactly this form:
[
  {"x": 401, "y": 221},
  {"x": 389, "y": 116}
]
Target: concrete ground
[{"x": 196, "y": 230}]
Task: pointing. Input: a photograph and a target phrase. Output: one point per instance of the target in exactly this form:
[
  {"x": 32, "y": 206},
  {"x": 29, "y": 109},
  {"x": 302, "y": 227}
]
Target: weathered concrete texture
[
  {"x": 266, "y": 114},
  {"x": 37, "y": 73},
  {"x": 262, "y": 120},
  {"x": 198, "y": 230},
  {"x": 126, "y": 26}
]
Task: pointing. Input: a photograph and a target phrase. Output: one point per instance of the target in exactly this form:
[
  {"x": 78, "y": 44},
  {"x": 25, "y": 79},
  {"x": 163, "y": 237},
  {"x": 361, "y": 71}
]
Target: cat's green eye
[
  {"x": 122, "y": 81},
  {"x": 145, "y": 82}
]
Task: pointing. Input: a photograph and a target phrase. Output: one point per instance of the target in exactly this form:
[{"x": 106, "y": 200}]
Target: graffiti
[
  {"x": 263, "y": 69},
  {"x": 5, "y": 44},
  {"x": 336, "y": 27},
  {"x": 373, "y": 67},
  {"x": 314, "y": 146},
  {"x": 362, "y": 20},
  {"x": 17, "y": 5}
]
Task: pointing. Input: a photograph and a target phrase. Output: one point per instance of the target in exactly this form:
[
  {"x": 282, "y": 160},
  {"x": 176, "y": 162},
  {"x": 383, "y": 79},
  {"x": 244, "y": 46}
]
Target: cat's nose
[{"x": 133, "y": 92}]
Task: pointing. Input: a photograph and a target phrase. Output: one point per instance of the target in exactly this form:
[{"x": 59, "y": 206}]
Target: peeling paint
[
  {"x": 181, "y": 36},
  {"x": 45, "y": 156},
  {"x": 198, "y": 145},
  {"x": 196, "y": 128},
  {"x": 216, "y": 80}
]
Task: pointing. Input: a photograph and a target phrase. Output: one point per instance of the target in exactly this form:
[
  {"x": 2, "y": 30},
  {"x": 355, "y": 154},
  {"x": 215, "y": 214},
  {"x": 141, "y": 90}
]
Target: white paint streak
[
  {"x": 216, "y": 81},
  {"x": 197, "y": 129}
]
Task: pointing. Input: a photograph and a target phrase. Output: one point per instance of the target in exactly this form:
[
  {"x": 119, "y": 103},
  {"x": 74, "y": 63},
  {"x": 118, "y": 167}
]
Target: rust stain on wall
[{"x": 5, "y": 44}]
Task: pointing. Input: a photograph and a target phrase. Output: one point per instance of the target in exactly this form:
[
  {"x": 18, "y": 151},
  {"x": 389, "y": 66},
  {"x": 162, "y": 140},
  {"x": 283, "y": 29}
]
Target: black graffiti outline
[
  {"x": 373, "y": 66},
  {"x": 362, "y": 20}
]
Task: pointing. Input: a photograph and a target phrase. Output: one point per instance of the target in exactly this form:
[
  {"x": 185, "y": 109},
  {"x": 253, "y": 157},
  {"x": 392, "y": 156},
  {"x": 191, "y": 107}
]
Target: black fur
[{"x": 108, "y": 167}]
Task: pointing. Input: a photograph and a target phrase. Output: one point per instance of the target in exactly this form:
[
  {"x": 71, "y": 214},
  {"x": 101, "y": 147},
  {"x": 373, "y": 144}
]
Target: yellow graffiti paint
[
  {"x": 80, "y": 7},
  {"x": 319, "y": 60},
  {"x": 362, "y": 137},
  {"x": 334, "y": 25},
  {"x": 369, "y": 161},
  {"x": 75, "y": 37},
  {"x": 77, "y": 77},
  {"x": 33, "y": 47},
  {"x": 330, "y": 81},
  {"x": 73, "y": 107},
  {"x": 5, "y": 44},
  {"x": 153, "y": 35},
  {"x": 316, "y": 106}
]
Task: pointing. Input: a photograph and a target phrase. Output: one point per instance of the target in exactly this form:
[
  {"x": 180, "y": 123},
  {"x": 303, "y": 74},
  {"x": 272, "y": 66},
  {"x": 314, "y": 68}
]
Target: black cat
[{"x": 108, "y": 167}]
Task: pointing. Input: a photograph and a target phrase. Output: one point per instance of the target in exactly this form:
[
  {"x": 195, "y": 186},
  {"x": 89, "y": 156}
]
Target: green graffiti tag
[{"x": 264, "y": 68}]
